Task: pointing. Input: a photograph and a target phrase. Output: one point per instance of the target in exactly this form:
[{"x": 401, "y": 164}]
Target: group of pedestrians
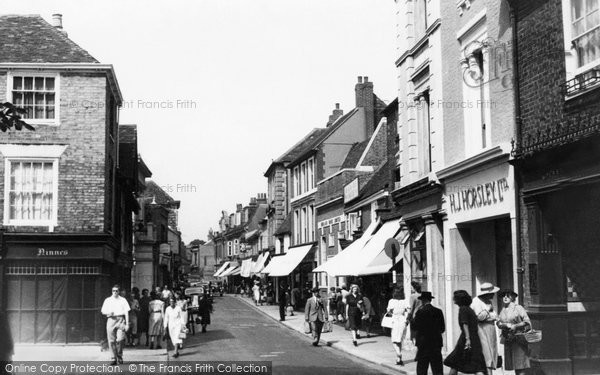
[
  {"x": 476, "y": 351},
  {"x": 161, "y": 314}
]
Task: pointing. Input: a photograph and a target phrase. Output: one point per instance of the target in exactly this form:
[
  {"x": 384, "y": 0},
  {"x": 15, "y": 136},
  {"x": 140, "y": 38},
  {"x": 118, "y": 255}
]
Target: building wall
[
  {"x": 458, "y": 107},
  {"x": 81, "y": 184}
]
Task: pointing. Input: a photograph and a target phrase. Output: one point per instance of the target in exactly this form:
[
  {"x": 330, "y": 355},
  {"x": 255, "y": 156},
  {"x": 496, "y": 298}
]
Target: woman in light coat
[
  {"x": 399, "y": 308},
  {"x": 173, "y": 323},
  {"x": 487, "y": 317}
]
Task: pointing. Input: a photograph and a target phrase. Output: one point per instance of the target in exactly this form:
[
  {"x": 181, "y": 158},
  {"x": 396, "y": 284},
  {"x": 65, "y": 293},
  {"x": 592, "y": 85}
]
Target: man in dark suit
[
  {"x": 429, "y": 323},
  {"x": 316, "y": 314},
  {"x": 282, "y": 301}
]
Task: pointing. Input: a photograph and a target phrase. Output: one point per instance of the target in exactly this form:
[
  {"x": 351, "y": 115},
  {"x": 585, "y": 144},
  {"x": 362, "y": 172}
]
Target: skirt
[{"x": 155, "y": 326}]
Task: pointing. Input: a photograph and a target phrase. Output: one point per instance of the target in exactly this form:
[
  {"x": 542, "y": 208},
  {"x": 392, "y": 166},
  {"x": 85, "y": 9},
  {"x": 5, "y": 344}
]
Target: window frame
[
  {"x": 571, "y": 57},
  {"x": 27, "y": 73},
  {"x": 30, "y": 223}
]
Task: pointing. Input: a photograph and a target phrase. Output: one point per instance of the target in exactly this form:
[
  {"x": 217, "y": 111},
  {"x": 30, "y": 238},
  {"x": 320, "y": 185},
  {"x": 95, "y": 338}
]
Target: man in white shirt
[{"x": 116, "y": 309}]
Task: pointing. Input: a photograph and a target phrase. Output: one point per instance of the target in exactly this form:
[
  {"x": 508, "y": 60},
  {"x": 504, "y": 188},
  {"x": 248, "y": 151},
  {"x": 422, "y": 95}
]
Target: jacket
[
  {"x": 315, "y": 310},
  {"x": 429, "y": 324}
]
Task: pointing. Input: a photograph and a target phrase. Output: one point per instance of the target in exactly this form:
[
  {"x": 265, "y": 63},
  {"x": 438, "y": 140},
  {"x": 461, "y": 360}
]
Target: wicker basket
[{"x": 533, "y": 336}]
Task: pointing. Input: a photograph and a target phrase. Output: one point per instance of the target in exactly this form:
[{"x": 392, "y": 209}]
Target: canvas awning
[
  {"x": 289, "y": 261},
  {"x": 273, "y": 263},
  {"x": 338, "y": 265},
  {"x": 235, "y": 272},
  {"x": 246, "y": 267},
  {"x": 373, "y": 248},
  {"x": 258, "y": 266},
  {"x": 221, "y": 269},
  {"x": 382, "y": 263},
  {"x": 229, "y": 271}
]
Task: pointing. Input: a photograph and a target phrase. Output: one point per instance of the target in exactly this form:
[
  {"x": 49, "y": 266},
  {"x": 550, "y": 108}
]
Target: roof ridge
[{"x": 64, "y": 36}]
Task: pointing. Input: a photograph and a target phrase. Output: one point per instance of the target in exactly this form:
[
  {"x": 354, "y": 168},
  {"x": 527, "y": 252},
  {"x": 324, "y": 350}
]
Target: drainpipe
[{"x": 517, "y": 141}]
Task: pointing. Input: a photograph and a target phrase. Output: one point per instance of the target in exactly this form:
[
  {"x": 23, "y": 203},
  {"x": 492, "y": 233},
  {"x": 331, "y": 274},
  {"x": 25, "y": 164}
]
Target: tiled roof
[
  {"x": 30, "y": 39},
  {"x": 285, "y": 227},
  {"x": 354, "y": 154},
  {"x": 301, "y": 147},
  {"x": 157, "y": 194},
  {"x": 127, "y": 133},
  {"x": 379, "y": 180},
  {"x": 259, "y": 214},
  {"x": 324, "y": 134}
]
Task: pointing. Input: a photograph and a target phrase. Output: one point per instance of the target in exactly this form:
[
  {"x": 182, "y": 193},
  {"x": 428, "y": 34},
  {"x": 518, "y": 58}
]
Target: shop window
[{"x": 331, "y": 240}]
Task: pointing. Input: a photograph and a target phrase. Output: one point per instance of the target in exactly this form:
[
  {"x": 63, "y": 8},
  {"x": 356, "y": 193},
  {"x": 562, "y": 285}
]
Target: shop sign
[
  {"x": 41, "y": 252},
  {"x": 487, "y": 194}
]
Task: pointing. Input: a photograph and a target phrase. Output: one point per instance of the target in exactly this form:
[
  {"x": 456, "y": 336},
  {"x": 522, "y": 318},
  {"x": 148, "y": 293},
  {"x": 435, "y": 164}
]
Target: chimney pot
[
  {"x": 366, "y": 79},
  {"x": 57, "y": 20},
  {"x": 359, "y": 79},
  {"x": 337, "y": 105}
]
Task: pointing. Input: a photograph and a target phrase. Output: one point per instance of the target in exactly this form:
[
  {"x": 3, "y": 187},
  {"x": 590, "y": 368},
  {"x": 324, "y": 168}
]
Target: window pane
[
  {"x": 590, "y": 5},
  {"x": 39, "y": 105},
  {"x": 39, "y": 83},
  {"x": 49, "y": 84},
  {"x": 28, "y": 83},
  {"x": 576, "y": 9},
  {"x": 18, "y": 83}
]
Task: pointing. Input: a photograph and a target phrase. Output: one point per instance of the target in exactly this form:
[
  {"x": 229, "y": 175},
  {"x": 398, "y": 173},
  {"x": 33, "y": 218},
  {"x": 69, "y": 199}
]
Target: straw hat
[{"x": 487, "y": 288}]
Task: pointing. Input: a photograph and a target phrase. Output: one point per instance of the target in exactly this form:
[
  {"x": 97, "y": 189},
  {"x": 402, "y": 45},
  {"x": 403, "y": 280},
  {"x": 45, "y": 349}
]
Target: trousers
[
  {"x": 429, "y": 356},
  {"x": 115, "y": 332},
  {"x": 316, "y": 327}
]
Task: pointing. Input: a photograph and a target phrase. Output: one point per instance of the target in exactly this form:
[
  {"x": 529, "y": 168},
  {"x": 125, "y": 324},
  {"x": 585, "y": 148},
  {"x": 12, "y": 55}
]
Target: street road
[{"x": 239, "y": 332}]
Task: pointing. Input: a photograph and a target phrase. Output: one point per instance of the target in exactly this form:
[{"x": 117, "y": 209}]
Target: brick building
[
  {"x": 557, "y": 159},
  {"x": 68, "y": 202}
]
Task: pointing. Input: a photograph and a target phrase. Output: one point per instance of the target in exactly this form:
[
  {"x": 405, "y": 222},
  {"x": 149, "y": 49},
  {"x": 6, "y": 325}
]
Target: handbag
[
  {"x": 307, "y": 328},
  {"x": 499, "y": 362},
  {"x": 198, "y": 320},
  {"x": 327, "y": 327},
  {"x": 533, "y": 336},
  {"x": 387, "y": 321}
]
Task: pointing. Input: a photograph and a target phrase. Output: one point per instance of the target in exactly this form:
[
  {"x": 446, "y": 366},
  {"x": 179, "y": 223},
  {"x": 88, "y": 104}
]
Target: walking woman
[
  {"x": 399, "y": 308},
  {"x": 182, "y": 302},
  {"x": 155, "y": 323},
  {"x": 173, "y": 323},
  {"x": 256, "y": 292},
  {"x": 467, "y": 356},
  {"x": 332, "y": 304},
  {"x": 513, "y": 321},
  {"x": 483, "y": 308},
  {"x": 134, "y": 304},
  {"x": 354, "y": 306},
  {"x": 205, "y": 308}
]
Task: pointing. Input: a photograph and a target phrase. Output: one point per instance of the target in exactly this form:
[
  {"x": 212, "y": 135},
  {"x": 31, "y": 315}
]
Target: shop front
[
  {"x": 561, "y": 202},
  {"x": 481, "y": 232},
  {"x": 54, "y": 287}
]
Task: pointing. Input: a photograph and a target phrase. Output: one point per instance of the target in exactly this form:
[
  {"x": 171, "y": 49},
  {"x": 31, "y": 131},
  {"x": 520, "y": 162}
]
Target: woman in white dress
[
  {"x": 173, "y": 324},
  {"x": 399, "y": 307}
]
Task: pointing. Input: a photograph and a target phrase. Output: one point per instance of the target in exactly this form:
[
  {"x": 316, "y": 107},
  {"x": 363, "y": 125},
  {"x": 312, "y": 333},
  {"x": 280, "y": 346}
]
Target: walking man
[
  {"x": 429, "y": 324},
  {"x": 316, "y": 314},
  {"x": 282, "y": 301},
  {"x": 116, "y": 309}
]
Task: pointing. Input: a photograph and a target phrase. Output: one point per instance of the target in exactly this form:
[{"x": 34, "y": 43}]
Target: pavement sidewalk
[
  {"x": 84, "y": 353},
  {"x": 376, "y": 349}
]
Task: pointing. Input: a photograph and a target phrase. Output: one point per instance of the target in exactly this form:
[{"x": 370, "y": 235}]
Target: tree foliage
[{"x": 10, "y": 118}]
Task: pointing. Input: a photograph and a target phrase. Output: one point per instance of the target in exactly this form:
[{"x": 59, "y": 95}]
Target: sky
[{"x": 220, "y": 88}]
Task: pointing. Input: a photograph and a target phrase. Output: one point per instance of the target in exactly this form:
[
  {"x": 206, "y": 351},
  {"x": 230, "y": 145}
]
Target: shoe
[
  {"x": 158, "y": 347},
  {"x": 315, "y": 344},
  {"x": 120, "y": 360},
  {"x": 175, "y": 355},
  {"x": 151, "y": 346},
  {"x": 113, "y": 363},
  {"x": 358, "y": 337},
  {"x": 399, "y": 362},
  {"x": 354, "y": 342},
  {"x": 368, "y": 335}
]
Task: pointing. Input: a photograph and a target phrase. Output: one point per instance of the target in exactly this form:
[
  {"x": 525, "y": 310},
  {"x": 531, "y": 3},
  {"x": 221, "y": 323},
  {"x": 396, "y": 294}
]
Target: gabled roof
[
  {"x": 355, "y": 154},
  {"x": 304, "y": 145},
  {"x": 323, "y": 135},
  {"x": 30, "y": 39}
]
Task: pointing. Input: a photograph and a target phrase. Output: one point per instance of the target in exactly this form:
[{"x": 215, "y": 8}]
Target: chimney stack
[
  {"x": 262, "y": 197},
  {"x": 366, "y": 99},
  {"x": 337, "y": 113},
  {"x": 238, "y": 207},
  {"x": 57, "y": 22}
]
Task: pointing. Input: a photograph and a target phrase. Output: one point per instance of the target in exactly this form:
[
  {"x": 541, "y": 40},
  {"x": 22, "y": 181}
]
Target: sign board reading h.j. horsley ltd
[{"x": 483, "y": 194}]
